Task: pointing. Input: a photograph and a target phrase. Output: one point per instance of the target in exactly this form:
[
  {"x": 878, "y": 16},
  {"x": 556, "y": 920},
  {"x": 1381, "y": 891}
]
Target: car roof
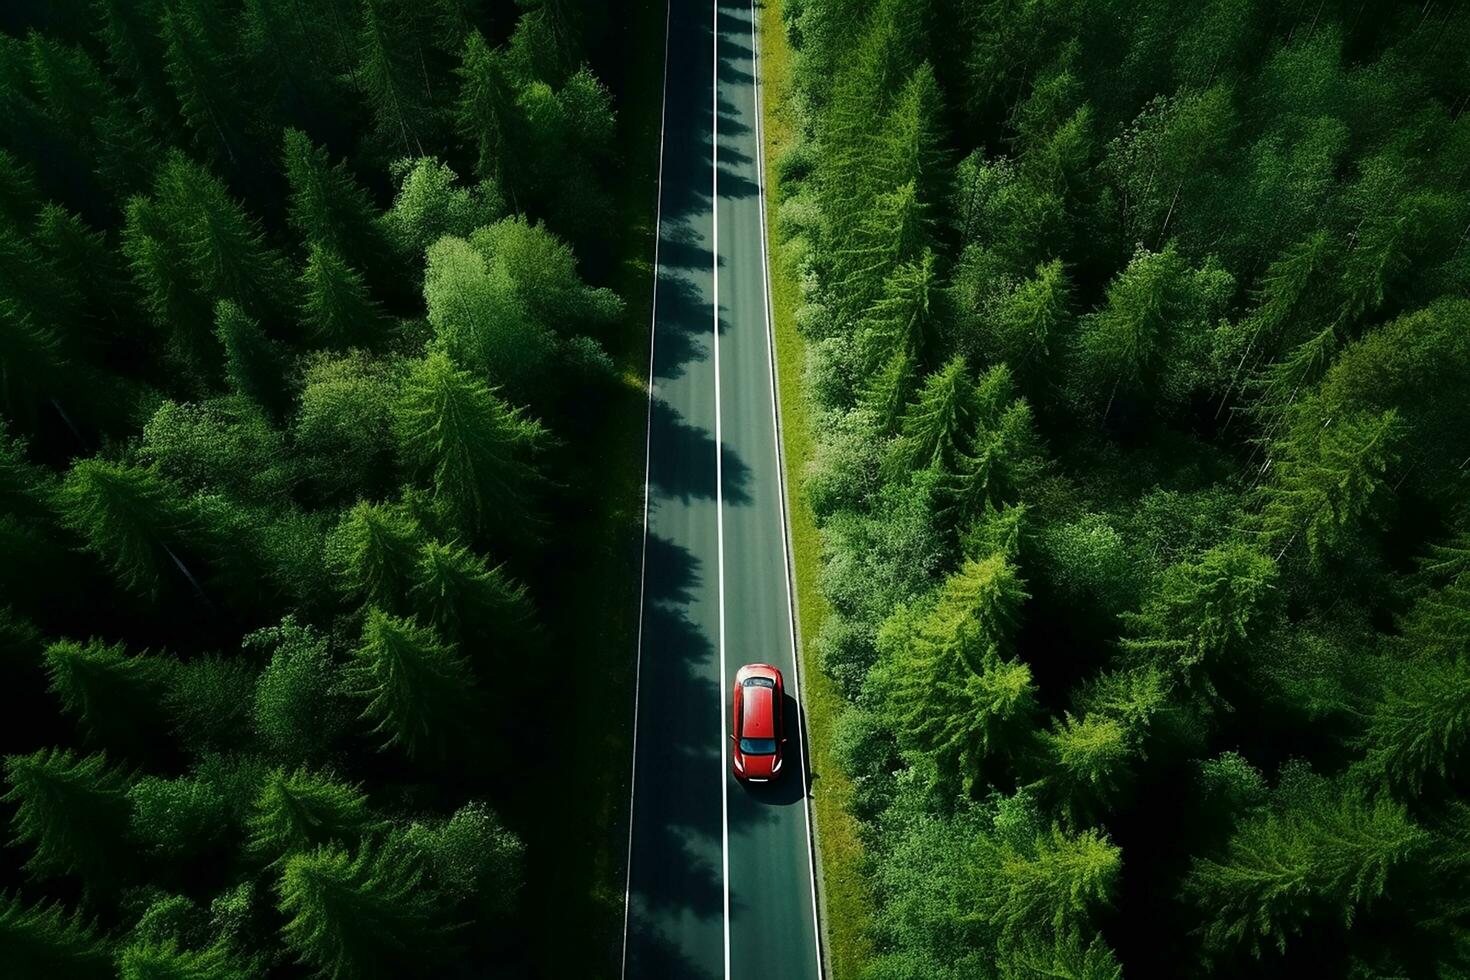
[{"x": 758, "y": 717}]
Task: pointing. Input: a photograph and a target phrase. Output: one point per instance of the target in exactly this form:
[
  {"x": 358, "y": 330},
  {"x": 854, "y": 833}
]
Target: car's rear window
[
  {"x": 758, "y": 746},
  {"x": 759, "y": 682}
]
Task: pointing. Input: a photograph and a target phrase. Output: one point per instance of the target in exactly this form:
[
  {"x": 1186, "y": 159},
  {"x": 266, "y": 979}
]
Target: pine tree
[
  {"x": 283, "y": 45},
  {"x": 1123, "y": 345},
  {"x": 297, "y": 812},
  {"x": 1323, "y": 851},
  {"x": 204, "y": 76},
  {"x": 946, "y": 684},
  {"x": 222, "y": 245},
  {"x": 1064, "y": 957},
  {"x": 1329, "y": 478},
  {"x": 472, "y": 857},
  {"x": 457, "y": 591},
  {"x": 254, "y": 367},
  {"x": 42, "y": 940},
  {"x": 1030, "y": 322},
  {"x": 71, "y": 811},
  {"x": 131, "y": 519},
  {"x": 80, "y": 256},
  {"x": 417, "y": 688},
  {"x": 486, "y": 113},
  {"x": 1421, "y": 727},
  {"x": 20, "y": 199},
  {"x": 468, "y": 442},
  {"x": 135, "y": 53},
  {"x": 389, "y": 70},
  {"x": 114, "y": 696},
  {"x": 910, "y": 317},
  {"x": 1206, "y": 612},
  {"x": 895, "y": 230},
  {"x": 363, "y": 916},
  {"x": 336, "y": 306},
  {"x": 375, "y": 551},
  {"x": 166, "y": 961},
  {"x": 35, "y": 365},
  {"x": 939, "y": 424},
  {"x": 329, "y": 208},
  {"x": 911, "y": 146},
  {"x": 1056, "y": 886},
  {"x": 160, "y": 271}
]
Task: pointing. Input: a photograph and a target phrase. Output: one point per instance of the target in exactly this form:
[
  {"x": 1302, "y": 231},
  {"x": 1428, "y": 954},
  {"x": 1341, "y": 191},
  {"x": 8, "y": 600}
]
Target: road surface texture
[{"x": 720, "y": 875}]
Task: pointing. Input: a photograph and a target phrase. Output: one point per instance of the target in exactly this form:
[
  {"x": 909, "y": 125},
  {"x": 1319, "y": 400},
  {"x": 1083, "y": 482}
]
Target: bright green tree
[
  {"x": 350, "y": 917},
  {"x": 470, "y": 445},
  {"x": 417, "y": 688},
  {"x": 167, "y": 961},
  {"x": 343, "y": 425},
  {"x": 299, "y": 709},
  {"x": 1421, "y": 727},
  {"x": 1319, "y": 850},
  {"x": 177, "y": 819},
  {"x": 938, "y": 425},
  {"x": 71, "y": 812},
  {"x": 301, "y": 810},
  {"x": 253, "y": 362},
  {"x": 947, "y": 686},
  {"x": 375, "y": 551}
]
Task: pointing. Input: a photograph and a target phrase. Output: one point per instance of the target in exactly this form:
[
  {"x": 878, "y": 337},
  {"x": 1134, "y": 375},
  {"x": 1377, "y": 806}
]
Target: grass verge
[{"x": 847, "y": 898}]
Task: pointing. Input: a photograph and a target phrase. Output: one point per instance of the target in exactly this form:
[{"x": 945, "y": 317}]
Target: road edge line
[
  {"x": 796, "y": 645},
  {"x": 658, "y": 203}
]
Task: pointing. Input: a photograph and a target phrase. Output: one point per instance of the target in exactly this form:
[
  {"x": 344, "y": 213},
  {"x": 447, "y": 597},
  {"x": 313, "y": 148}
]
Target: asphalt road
[{"x": 720, "y": 875}]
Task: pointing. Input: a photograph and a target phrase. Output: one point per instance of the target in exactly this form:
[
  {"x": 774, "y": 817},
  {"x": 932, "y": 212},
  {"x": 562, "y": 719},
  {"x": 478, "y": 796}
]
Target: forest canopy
[
  {"x": 1139, "y": 349},
  {"x": 303, "y": 336}
]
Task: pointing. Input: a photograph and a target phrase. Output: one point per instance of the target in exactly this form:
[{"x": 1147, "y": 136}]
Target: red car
[{"x": 758, "y": 737}]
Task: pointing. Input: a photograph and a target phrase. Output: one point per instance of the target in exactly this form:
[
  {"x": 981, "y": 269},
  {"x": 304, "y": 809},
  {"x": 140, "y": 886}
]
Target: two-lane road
[{"x": 720, "y": 875}]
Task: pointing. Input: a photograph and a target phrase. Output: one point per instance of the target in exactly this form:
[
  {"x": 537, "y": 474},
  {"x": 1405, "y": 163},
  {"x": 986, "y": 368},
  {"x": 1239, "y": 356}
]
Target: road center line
[
  {"x": 719, "y": 461},
  {"x": 647, "y": 470}
]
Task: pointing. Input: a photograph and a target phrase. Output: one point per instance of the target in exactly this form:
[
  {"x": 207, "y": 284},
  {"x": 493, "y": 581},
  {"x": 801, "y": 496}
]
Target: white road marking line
[
  {"x": 760, "y": 144},
  {"x": 647, "y": 465},
  {"x": 719, "y": 454}
]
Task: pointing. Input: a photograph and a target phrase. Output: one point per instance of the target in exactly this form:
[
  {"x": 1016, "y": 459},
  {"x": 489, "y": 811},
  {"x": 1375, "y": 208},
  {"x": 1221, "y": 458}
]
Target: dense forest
[
  {"x": 1139, "y": 344},
  {"x": 300, "y": 377}
]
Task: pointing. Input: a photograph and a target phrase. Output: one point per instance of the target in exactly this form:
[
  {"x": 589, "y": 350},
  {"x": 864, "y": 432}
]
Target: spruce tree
[
  {"x": 1058, "y": 884},
  {"x": 389, "y": 71},
  {"x": 204, "y": 75},
  {"x": 115, "y": 697},
  {"x": 1321, "y": 850},
  {"x": 350, "y": 917},
  {"x": 253, "y": 363},
  {"x": 298, "y": 811},
  {"x": 71, "y": 812},
  {"x": 416, "y": 687},
  {"x": 167, "y": 961},
  {"x": 938, "y": 425},
  {"x": 132, "y": 520},
  {"x": 135, "y": 54},
  {"x": 329, "y": 208},
  {"x": 470, "y": 445},
  {"x": 375, "y": 551},
  {"x": 910, "y": 316},
  {"x": 947, "y": 686},
  {"x": 457, "y": 591},
  {"x": 42, "y": 940},
  {"x": 1206, "y": 612},
  {"x": 1029, "y": 323},
  {"x": 1419, "y": 730},
  {"x": 35, "y": 362},
  {"x": 336, "y": 307},
  {"x": 1329, "y": 478},
  {"x": 486, "y": 113},
  {"x": 220, "y": 243}
]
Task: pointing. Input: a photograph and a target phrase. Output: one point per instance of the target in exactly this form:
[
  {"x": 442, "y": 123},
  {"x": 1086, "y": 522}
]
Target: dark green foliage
[
  {"x": 114, "y": 696},
  {"x": 131, "y": 519},
  {"x": 362, "y": 916},
  {"x": 336, "y": 307},
  {"x": 70, "y": 813},
  {"x": 42, "y": 940},
  {"x": 261, "y": 476}
]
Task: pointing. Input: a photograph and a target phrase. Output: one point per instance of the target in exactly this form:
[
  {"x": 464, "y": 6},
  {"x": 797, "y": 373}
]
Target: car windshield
[
  {"x": 758, "y": 746},
  {"x": 759, "y": 682}
]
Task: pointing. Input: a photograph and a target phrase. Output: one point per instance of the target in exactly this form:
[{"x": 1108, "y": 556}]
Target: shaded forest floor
[{"x": 571, "y": 805}]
